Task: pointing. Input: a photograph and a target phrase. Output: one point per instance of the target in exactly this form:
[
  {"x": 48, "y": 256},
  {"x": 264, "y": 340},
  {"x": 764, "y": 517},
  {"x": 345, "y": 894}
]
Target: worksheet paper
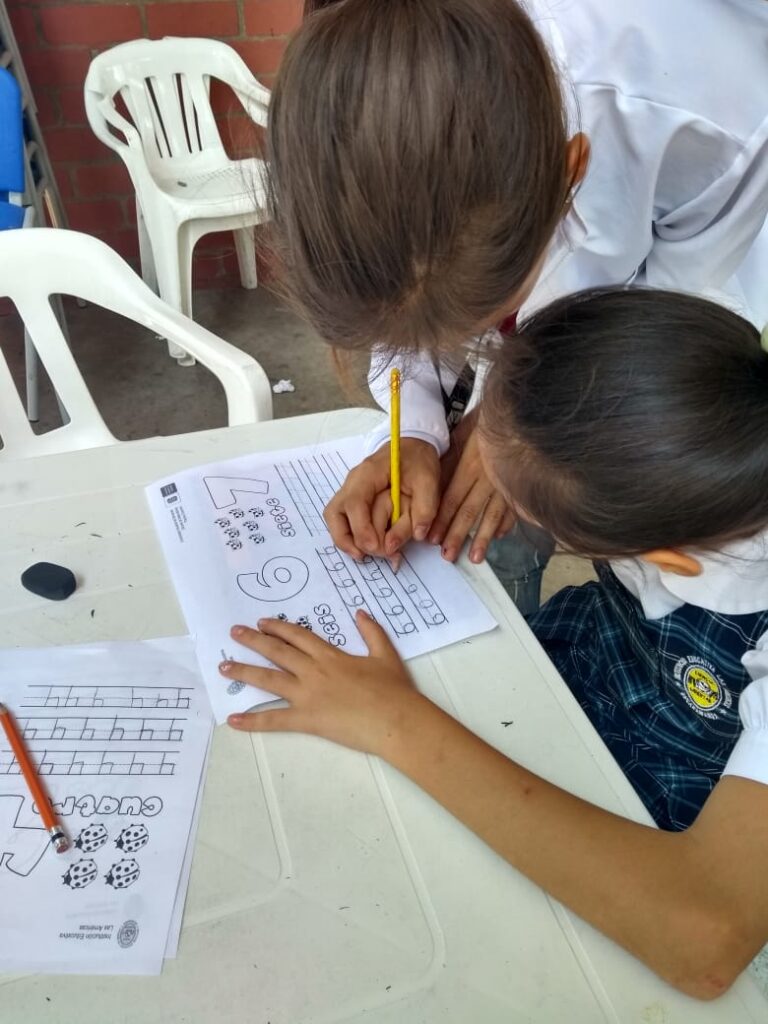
[
  {"x": 120, "y": 734},
  {"x": 245, "y": 539}
]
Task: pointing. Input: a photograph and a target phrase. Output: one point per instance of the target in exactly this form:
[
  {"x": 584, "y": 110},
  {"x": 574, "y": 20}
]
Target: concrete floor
[{"x": 141, "y": 392}]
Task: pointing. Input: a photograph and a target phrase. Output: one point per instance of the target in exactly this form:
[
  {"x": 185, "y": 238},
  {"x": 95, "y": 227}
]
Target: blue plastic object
[
  {"x": 11, "y": 215},
  {"x": 11, "y": 141}
]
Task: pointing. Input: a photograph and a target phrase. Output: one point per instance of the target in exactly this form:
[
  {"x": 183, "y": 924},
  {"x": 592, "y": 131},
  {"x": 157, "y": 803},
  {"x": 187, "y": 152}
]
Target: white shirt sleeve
[
  {"x": 422, "y": 414},
  {"x": 749, "y": 758},
  {"x": 700, "y": 244},
  {"x": 670, "y": 200}
]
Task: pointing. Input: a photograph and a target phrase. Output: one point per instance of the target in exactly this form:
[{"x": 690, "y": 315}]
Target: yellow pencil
[{"x": 394, "y": 444}]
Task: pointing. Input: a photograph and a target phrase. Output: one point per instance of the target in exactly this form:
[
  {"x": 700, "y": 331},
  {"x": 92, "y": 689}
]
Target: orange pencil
[{"x": 55, "y": 831}]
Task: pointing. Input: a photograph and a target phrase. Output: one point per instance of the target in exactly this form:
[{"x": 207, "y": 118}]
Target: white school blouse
[
  {"x": 673, "y": 95},
  {"x": 733, "y": 581}
]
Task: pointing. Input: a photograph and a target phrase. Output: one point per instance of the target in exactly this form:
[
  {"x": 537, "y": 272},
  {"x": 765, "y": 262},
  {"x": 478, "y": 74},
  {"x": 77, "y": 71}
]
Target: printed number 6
[{"x": 280, "y": 579}]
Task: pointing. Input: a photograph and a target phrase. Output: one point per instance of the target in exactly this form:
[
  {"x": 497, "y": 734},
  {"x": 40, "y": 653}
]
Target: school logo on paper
[
  {"x": 127, "y": 934},
  {"x": 701, "y": 686}
]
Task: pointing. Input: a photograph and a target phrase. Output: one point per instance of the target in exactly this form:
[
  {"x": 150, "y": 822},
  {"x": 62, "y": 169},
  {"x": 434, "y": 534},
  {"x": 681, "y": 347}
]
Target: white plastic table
[{"x": 325, "y": 886}]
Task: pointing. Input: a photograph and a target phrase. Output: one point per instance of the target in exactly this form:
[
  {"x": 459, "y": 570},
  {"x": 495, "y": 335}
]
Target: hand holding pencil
[{"x": 391, "y": 497}]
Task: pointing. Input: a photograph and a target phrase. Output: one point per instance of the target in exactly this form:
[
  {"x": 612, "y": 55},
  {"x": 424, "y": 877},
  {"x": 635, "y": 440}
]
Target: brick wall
[{"x": 58, "y": 39}]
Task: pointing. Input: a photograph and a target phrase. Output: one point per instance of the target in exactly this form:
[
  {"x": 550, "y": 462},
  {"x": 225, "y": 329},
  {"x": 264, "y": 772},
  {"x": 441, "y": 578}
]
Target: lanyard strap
[{"x": 456, "y": 402}]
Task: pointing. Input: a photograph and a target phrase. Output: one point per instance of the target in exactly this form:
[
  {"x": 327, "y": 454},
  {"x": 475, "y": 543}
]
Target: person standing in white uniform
[{"x": 439, "y": 165}]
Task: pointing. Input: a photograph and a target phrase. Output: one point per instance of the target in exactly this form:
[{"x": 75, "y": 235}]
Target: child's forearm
[
  {"x": 692, "y": 905},
  {"x": 640, "y": 886}
]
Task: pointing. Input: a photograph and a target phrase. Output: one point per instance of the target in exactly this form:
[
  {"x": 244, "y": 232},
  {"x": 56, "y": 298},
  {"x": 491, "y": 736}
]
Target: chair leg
[
  {"x": 148, "y": 271},
  {"x": 188, "y": 238},
  {"x": 58, "y": 308},
  {"x": 171, "y": 286},
  {"x": 31, "y": 363},
  {"x": 32, "y": 367},
  {"x": 246, "y": 257},
  {"x": 186, "y": 245}
]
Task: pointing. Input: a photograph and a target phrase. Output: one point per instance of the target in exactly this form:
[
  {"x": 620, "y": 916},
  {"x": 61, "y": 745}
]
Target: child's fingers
[
  {"x": 464, "y": 518},
  {"x": 399, "y": 535},
  {"x": 376, "y": 640},
  {"x": 363, "y": 531},
  {"x": 381, "y": 513},
  {"x": 452, "y": 501},
  {"x": 269, "y": 679},
  {"x": 341, "y": 532},
  {"x": 425, "y": 501},
  {"x": 278, "y": 720},
  {"x": 275, "y": 648},
  {"x": 488, "y": 527},
  {"x": 302, "y": 642}
]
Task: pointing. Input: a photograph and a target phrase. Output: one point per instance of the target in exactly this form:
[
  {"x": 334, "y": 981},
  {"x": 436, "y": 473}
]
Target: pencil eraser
[{"x": 48, "y": 580}]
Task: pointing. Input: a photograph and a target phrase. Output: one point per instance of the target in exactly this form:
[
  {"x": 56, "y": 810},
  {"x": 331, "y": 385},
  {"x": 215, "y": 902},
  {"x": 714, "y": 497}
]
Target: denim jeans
[{"x": 519, "y": 560}]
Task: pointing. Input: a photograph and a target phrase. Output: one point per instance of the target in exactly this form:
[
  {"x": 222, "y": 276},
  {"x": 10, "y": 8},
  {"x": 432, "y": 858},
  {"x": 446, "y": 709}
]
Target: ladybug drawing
[
  {"x": 222, "y": 522},
  {"x": 91, "y": 838},
  {"x": 237, "y": 513},
  {"x": 282, "y": 617},
  {"x": 80, "y": 874},
  {"x": 304, "y": 622},
  {"x": 234, "y": 544},
  {"x": 122, "y": 874},
  {"x": 132, "y": 838},
  {"x": 250, "y": 525},
  {"x": 232, "y": 533},
  {"x": 257, "y": 512},
  {"x": 257, "y": 538}
]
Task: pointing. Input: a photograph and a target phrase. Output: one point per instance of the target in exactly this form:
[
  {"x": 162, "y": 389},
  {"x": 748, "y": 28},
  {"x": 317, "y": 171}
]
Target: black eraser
[{"x": 48, "y": 580}]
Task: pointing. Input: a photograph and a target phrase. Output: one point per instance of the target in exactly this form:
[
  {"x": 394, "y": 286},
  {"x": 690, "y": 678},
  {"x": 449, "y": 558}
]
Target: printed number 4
[{"x": 279, "y": 579}]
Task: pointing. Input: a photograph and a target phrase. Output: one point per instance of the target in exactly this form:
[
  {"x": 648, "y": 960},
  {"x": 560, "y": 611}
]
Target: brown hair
[
  {"x": 628, "y": 420},
  {"x": 311, "y": 6},
  {"x": 417, "y": 154}
]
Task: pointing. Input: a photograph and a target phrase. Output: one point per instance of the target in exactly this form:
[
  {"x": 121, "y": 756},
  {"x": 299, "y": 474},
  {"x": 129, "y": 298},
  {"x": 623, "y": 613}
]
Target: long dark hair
[
  {"x": 624, "y": 420},
  {"x": 417, "y": 161}
]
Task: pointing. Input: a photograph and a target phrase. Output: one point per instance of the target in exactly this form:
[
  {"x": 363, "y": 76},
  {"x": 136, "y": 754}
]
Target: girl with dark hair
[
  {"x": 632, "y": 426},
  {"x": 429, "y": 178}
]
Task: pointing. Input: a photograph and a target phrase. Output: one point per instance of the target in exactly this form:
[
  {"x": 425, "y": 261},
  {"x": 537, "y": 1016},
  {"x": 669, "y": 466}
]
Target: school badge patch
[{"x": 702, "y": 687}]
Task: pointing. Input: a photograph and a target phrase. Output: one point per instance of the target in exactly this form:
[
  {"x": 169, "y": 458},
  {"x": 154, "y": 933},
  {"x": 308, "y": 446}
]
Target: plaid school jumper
[{"x": 662, "y": 693}]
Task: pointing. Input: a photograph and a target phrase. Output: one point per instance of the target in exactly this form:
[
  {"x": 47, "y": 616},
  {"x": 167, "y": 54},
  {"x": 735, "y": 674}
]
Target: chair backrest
[
  {"x": 11, "y": 136},
  {"x": 41, "y": 262},
  {"x": 163, "y": 86}
]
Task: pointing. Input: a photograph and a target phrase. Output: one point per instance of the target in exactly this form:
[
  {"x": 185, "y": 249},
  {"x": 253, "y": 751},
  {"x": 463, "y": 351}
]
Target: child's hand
[
  {"x": 358, "y": 516},
  {"x": 360, "y": 702},
  {"x": 469, "y": 499}
]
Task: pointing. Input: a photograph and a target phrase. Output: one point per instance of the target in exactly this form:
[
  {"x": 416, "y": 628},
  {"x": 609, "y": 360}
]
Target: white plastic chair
[
  {"x": 41, "y": 262},
  {"x": 186, "y": 185}
]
